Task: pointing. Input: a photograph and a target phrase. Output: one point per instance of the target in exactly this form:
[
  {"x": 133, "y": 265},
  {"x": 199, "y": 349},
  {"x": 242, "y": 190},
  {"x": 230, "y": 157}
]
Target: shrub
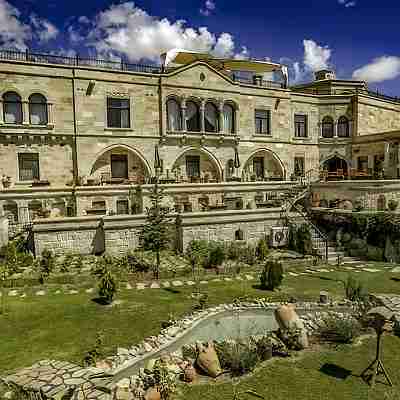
[
  {"x": 216, "y": 255},
  {"x": 354, "y": 289},
  {"x": 46, "y": 264},
  {"x": 238, "y": 357},
  {"x": 358, "y": 205},
  {"x": 272, "y": 275},
  {"x": 107, "y": 287},
  {"x": 340, "y": 330},
  {"x": 262, "y": 250},
  {"x": 264, "y": 348},
  {"x": 290, "y": 337},
  {"x": 162, "y": 379},
  {"x": 234, "y": 250},
  {"x": 197, "y": 252},
  {"x": 135, "y": 262},
  {"x": 248, "y": 255}
]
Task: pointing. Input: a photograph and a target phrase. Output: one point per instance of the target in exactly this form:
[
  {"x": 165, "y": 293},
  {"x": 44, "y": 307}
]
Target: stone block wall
[
  {"x": 3, "y": 230},
  {"x": 121, "y": 233}
]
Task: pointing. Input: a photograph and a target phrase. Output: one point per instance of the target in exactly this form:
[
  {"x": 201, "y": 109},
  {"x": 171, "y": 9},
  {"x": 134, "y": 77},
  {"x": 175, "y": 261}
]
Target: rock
[
  {"x": 123, "y": 383},
  {"x": 147, "y": 347},
  {"x": 90, "y": 290},
  {"x": 152, "y": 394},
  {"x": 154, "y": 285},
  {"x": 13, "y": 293},
  {"x": 40, "y": 293},
  {"x": 128, "y": 286},
  {"x": 121, "y": 351},
  {"x": 173, "y": 331},
  {"x": 207, "y": 360},
  {"x": 287, "y": 319},
  {"x": 150, "y": 365},
  {"x": 190, "y": 374}
]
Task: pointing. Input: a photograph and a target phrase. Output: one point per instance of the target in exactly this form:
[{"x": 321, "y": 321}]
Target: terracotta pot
[
  {"x": 207, "y": 360},
  {"x": 190, "y": 374},
  {"x": 152, "y": 394}
]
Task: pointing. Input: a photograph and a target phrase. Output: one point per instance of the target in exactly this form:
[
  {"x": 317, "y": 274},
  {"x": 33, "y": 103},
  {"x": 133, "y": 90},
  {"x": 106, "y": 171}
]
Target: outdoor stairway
[{"x": 333, "y": 254}]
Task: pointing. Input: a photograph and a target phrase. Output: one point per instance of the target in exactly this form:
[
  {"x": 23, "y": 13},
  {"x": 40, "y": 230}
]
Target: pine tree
[{"x": 155, "y": 234}]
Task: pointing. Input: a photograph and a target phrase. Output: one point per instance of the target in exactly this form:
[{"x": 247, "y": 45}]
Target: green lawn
[
  {"x": 301, "y": 379},
  {"x": 64, "y": 326}
]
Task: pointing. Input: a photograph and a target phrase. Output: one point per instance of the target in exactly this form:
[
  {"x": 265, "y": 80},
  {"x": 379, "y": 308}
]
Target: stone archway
[
  {"x": 335, "y": 163},
  {"x": 119, "y": 163},
  {"x": 197, "y": 165},
  {"x": 263, "y": 165}
]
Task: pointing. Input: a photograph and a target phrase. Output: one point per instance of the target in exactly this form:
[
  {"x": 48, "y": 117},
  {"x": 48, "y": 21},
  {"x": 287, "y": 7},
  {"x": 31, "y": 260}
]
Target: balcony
[
  {"x": 257, "y": 80},
  {"x": 42, "y": 58}
]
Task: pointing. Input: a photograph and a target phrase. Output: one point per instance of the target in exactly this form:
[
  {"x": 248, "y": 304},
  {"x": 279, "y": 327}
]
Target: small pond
[{"x": 224, "y": 325}]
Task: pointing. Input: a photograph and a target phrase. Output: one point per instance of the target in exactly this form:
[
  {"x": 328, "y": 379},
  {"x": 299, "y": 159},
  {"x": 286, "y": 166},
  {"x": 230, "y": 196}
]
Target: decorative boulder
[
  {"x": 189, "y": 374},
  {"x": 152, "y": 394},
  {"x": 207, "y": 360},
  {"x": 288, "y": 319}
]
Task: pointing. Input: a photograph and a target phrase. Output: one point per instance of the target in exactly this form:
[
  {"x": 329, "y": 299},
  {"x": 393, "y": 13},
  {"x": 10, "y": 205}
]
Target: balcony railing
[
  {"x": 257, "y": 82},
  {"x": 383, "y": 96},
  {"x": 14, "y": 55}
]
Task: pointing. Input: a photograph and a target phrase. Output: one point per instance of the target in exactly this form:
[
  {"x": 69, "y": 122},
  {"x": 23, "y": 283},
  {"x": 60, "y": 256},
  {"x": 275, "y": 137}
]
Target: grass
[
  {"x": 302, "y": 378},
  {"x": 64, "y": 327}
]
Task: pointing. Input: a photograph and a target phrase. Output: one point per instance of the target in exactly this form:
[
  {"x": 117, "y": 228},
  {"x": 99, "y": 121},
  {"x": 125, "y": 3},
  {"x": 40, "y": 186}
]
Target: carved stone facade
[{"x": 100, "y": 127}]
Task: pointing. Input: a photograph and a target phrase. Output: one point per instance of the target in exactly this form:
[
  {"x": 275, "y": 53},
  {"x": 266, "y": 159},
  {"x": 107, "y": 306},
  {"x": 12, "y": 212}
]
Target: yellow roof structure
[{"x": 183, "y": 57}]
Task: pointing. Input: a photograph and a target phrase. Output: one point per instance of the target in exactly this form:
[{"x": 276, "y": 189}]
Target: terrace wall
[{"x": 118, "y": 234}]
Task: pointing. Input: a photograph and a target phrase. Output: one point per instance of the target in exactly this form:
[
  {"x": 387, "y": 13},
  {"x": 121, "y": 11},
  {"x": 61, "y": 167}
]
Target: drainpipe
[{"x": 74, "y": 146}]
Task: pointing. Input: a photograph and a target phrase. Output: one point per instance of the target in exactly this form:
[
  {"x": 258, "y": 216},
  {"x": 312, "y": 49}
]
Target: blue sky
[{"x": 357, "y": 38}]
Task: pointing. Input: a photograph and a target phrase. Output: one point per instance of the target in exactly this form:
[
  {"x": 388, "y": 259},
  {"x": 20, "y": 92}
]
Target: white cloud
[
  {"x": 315, "y": 57},
  {"x": 128, "y": 30},
  {"x": 347, "y": 3},
  {"x": 43, "y": 29},
  {"x": 13, "y": 32},
  {"x": 83, "y": 20},
  {"x": 208, "y": 8},
  {"x": 244, "y": 54},
  {"x": 380, "y": 69}
]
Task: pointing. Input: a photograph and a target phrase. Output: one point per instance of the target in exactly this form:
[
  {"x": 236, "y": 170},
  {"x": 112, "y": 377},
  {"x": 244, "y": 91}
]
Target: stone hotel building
[{"x": 80, "y": 137}]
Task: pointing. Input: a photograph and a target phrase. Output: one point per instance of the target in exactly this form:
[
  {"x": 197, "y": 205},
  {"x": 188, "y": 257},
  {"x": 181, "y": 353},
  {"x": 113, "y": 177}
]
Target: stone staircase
[{"x": 334, "y": 253}]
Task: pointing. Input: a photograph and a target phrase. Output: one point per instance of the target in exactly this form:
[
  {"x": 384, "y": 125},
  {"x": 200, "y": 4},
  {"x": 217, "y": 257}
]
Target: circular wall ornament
[{"x": 202, "y": 77}]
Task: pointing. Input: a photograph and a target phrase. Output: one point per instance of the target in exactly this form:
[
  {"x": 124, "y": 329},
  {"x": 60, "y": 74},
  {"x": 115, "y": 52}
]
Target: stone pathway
[
  {"x": 56, "y": 379},
  {"x": 362, "y": 267}
]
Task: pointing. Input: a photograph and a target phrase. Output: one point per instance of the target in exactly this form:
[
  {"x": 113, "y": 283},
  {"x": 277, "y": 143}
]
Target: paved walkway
[{"x": 361, "y": 267}]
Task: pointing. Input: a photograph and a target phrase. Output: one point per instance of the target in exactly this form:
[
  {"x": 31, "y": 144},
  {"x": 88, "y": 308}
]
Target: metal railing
[
  {"x": 15, "y": 228},
  {"x": 383, "y": 96},
  {"x": 257, "y": 82},
  {"x": 319, "y": 239},
  {"x": 76, "y": 61}
]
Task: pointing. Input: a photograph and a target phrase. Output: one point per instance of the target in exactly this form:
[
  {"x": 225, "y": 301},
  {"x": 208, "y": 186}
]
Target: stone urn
[
  {"x": 152, "y": 394},
  {"x": 190, "y": 374},
  {"x": 207, "y": 359},
  {"x": 288, "y": 319}
]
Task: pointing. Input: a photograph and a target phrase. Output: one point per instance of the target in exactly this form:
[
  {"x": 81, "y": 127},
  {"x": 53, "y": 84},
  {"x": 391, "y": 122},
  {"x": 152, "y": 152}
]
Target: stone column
[
  {"x": 1, "y": 112},
  {"x": 49, "y": 113},
  {"x": 25, "y": 112},
  {"x": 335, "y": 129},
  {"x": 183, "y": 113},
  {"x": 370, "y": 164},
  {"x": 221, "y": 117},
  {"x": 23, "y": 211},
  {"x": 202, "y": 122},
  {"x": 351, "y": 128},
  {"x": 386, "y": 162}
]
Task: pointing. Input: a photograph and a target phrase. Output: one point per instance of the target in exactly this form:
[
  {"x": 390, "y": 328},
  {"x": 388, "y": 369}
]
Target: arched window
[
  {"x": 12, "y": 108},
  {"x": 343, "y": 127},
  {"x": 229, "y": 119},
  {"x": 38, "y": 109},
  {"x": 211, "y": 118},
  {"x": 192, "y": 117},
  {"x": 174, "y": 115},
  {"x": 327, "y": 127}
]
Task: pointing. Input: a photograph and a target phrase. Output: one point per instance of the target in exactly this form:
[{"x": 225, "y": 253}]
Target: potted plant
[
  {"x": 392, "y": 204},
  {"x": 6, "y": 181}
]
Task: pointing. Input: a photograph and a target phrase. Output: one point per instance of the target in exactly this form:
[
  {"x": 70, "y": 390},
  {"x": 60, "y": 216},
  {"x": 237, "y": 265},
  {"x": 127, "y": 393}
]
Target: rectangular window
[
  {"x": 28, "y": 165},
  {"x": 122, "y": 207},
  {"x": 262, "y": 122},
  {"x": 119, "y": 166},
  {"x": 299, "y": 168},
  {"x": 258, "y": 167},
  {"x": 300, "y": 125},
  {"x": 118, "y": 113},
  {"x": 362, "y": 163},
  {"x": 193, "y": 166}
]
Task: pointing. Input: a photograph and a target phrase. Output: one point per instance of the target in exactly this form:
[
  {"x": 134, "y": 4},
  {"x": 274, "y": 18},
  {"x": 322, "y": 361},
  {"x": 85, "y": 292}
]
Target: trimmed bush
[
  {"x": 355, "y": 290},
  {"x": 340, "y": 330},
  {"x": 216, "y": 255},
  {"x": 272, "y": 275},
  {"x": 262, "y": 249},
  {"x": 107, "y": 287}
]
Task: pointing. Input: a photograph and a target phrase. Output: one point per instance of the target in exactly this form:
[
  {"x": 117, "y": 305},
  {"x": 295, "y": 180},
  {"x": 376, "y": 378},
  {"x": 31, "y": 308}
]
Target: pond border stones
[{"x": 55, "y": 378}]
